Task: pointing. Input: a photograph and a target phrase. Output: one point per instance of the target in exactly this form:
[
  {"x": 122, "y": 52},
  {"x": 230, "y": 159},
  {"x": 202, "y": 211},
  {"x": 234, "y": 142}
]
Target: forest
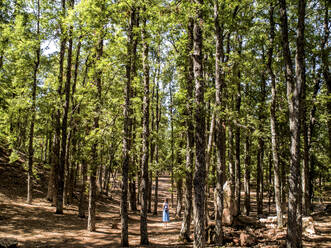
[{"x": 108, "y": 108}]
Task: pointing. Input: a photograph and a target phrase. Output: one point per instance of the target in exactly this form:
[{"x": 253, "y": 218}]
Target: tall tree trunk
[
  {"x": 199, "y": 118},
  {"x": 152, "y": 149},
  {"x": 60, "y": 159},
  {"x": 94, "y": 162},
  {"x": 300, "y": 71},
  {"x": 145, "y": 155},
  {"x": 73, "y": 131},
  {"x": 133, "y": 71},
  {"x": 310, "y": 135},
  {"x": 220, "y": 125},
  {"x": 127, "y": 135},
  {"x": 293, "y": 94},
  {"x": 185, "y": 230},
  {"x": 305, "y": 168},
  {"x": 158, "y": 118},
  {"x": 172, "y": 146},
  {"x": 325, "y": 67},
  {"x": 261, "y": 143},
  {"x": 237, "y": 136},
  {"x": 273, "y": 123},
  {"x": 65, "y": 142},
  {"x": 33, "y": 108}
]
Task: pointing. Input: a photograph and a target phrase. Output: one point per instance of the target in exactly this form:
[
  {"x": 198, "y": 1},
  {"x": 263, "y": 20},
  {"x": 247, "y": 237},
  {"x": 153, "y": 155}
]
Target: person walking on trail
[{"x": 165, "y": 212}]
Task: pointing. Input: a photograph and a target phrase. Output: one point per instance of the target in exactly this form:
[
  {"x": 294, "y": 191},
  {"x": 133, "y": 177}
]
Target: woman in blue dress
[{"x": 165, "y": 212}]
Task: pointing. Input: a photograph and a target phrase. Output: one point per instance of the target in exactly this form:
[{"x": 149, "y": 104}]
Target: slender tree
[
  {"x": 59, "y": 164},
  {"x": 185, "y": 230},
  {"x": 33, "y": 107},
  {"x": 127, "y": 135},
  {"x": 94, "y": 162},
  {"x": 293, "y": 95},
  {"x": 199, "y": 118},
  {"x": 145, "y": 147},
  {"x": 220, "y": 126},
  {"x": 273, "y": 122}
]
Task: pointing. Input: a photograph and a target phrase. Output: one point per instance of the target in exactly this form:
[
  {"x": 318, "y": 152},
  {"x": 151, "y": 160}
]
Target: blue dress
[{"x": 165, "y": 212}]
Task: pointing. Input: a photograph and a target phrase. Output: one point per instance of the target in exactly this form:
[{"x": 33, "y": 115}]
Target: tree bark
[
  {"x": 237, "y": 136},
  {"x": 65, "y": 144},
  {"x": 158, "y": 118},
  {"x": 310, "y": 133},
  {"x": 261, "y": 143},
  {"x": 145, "y": 152},
  {"x": 133, "y": 71},
  {"x": 185, "y": 230},
  {"x": 126, "y": 137},
  {"x": 325, "y": 67},
  {"x": 172, "y": 146},
  {"x": 179, "y": 198},
  {"x": 75, "y": 107},
  {"x": 274, "y": 124},
  {"x": 199, "y": 118},
  {"x": 220, "y": 125},
  {"x": 293, "y": 95}
]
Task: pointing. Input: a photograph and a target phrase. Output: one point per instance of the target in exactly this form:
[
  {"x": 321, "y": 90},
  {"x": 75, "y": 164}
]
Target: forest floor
[{"x": 37, "y": 225}]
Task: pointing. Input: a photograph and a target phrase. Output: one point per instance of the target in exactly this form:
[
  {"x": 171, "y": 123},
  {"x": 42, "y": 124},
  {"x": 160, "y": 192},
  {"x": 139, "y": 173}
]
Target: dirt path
[{"x": 36, "y": 225}]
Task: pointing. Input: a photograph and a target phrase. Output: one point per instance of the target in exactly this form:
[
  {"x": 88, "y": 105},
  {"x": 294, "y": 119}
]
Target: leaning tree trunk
[
  {"x": 199, "y": 118},
  {"x": 145, "y": 155},
  {"x": 294, "y": 228},
  {"x": 185, "y": 230}
]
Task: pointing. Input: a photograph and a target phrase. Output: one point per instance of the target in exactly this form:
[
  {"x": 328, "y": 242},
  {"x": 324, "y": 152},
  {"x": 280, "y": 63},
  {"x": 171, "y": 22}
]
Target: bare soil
[{"x": 37, "y": 225}]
